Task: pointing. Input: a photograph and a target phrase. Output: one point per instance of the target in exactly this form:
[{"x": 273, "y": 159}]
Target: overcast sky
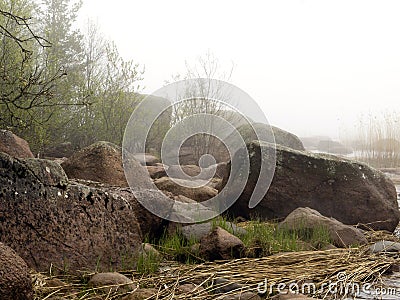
[{"x": 312, "y": 66}]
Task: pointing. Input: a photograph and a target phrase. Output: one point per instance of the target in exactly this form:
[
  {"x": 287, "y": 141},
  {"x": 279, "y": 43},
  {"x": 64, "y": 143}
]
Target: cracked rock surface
[
  {"x": 348, "y": 191},
  {"x": 69, "y": 226}
]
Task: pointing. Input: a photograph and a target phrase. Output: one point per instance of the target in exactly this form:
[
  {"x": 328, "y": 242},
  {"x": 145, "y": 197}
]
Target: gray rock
[
  {"x": 111, "y": 282},
  {"x": 100, "y": 162},
  {"x": 190, "y": 288},
  {"x": 220, "y": 244},
  {"x": 281, "y": 137},
  {"x": 14, "y": 145},
  {"x": 223, "y": 285},
  {"x": 69, "y": 226},
  {"x": 385, "y": 246},
  {"x": 343, "y": 189},
  {"x": 309, "y": 219},
  {"x": 198, "y": 231},
  {"x": 191, "y": 189}
]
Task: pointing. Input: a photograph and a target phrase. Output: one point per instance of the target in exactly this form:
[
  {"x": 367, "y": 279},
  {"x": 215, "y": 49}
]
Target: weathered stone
[
  {"x": 223, "y": 285},
  {"x": 282, "y": 137},
  {"x": 150, "y": 224},
  {"x": 111, "y": 282},
  {"x": 189, "y": 288},
  {"x": 385, "y": 246},
  {"x": 198, "y": 231},
  {"x": 15, "y": 280},
  {"x": 220, "y": 244},
  {"x": 70, "y": 226},
  {"x": 14, "y": 145},
  {"x": 190, "y": 189},
  {"x": 343, "y": 189},
  {"x": 100, "y": 162},
  {"x": 307, "y": 219}
]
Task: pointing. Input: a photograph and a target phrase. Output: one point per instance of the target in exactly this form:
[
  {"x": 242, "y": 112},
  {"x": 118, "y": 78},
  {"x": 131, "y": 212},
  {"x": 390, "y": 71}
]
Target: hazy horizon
[{"x": 313, "y": 66}]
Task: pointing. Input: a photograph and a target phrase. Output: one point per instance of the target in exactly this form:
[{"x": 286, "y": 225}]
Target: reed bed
[{"x": 317, "y": 267}]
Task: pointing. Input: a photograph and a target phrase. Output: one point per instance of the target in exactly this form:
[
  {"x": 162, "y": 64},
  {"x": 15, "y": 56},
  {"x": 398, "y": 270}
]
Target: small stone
[
  {"x": 220, "y": 244},
  {"x": 55, "y": 282},
  {"x": 111, "y": 281},
  {"x": 190, "y": 288},
  {"x": 223, "y": 285}
]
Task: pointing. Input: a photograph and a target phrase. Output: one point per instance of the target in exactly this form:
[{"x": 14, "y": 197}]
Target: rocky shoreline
[{"x": 70, "y": 224}]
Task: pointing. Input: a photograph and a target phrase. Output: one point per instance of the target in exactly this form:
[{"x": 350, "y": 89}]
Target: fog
[{"x": 313, "y": 66}]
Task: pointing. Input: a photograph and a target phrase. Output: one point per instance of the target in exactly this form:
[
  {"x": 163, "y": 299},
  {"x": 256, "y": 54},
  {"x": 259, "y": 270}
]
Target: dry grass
[{"x": 318, "y": 267}]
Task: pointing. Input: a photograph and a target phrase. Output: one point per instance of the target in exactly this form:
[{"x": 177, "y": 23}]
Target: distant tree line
[{"x": 59, "y": 83}]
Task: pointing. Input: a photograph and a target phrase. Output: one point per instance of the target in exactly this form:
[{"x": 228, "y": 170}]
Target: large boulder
[
  {"x": 309, "y": 220},
  {"x": 150, "y": 224},
  {"x": 100, "y": 162},
  {"x": 282, "y": 137},
  {"x": 71, "y": 227},
  {"x": 14, "y": 145},
  {"x": 346, "y": 190},
  {"x": 15, "y": 280}
]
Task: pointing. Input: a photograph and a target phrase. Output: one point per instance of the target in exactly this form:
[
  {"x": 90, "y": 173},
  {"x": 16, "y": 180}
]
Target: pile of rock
[{"x": 81, "y": 215}]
